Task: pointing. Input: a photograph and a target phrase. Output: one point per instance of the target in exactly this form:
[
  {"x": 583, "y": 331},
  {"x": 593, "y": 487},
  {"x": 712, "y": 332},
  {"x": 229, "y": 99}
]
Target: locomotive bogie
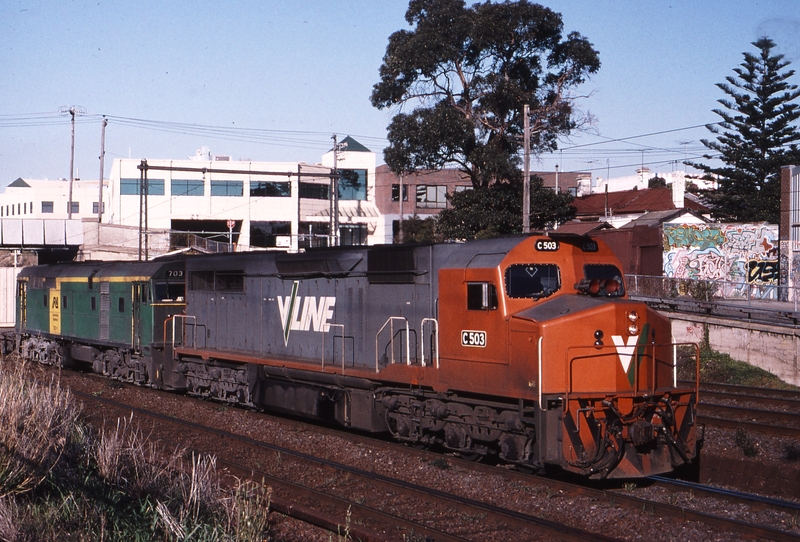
[{"x": 522, "y": 349}]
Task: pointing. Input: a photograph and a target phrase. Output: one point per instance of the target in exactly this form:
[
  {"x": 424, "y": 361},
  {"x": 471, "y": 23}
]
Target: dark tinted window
[
  {"x": 481, "y": 296},
  {"x": 170, "y": 291},
  {"x": 270, "y": 189},
  {"x": 532, "y": 280}
]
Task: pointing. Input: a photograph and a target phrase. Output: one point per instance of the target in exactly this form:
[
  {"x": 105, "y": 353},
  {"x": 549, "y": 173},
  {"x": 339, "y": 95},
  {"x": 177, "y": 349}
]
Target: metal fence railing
[{"x": 712, "y": 290}]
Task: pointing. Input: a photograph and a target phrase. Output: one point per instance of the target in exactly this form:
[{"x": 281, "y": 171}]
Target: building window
[
  {"x": 187, "y": 187},
  {"x": 227, "y": 188},
  {"x": 75, "y": 207},
  {"x": 25, "y": 208},
  {"x": 130, "y": 187},
  {"x": 19, "y": 208},
  {"x": 458, "y": 189},
  {"x": 47, "y": 206},
  {"x": 353, "y": 234},
  {"x": 267, "y": 234},
  {"x": 431, "y": 196},
  {"x": 396, "y": 192},
  {"x": 94, "y": 207},
  {"x": 271, "y": 189},
  {"x": 314, "y": 191},
  {"x": 314, "y": 234},
  {"x": 353, "y": 184}
]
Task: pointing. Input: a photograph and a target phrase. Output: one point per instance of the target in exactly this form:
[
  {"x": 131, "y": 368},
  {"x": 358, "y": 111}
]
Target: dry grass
[
  {"x": 36, "y": 423},
  {"x": 59, "y": 479}
]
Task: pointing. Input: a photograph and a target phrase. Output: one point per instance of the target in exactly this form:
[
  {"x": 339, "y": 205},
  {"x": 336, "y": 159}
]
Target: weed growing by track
[
  {"x": 722, "y": 368},
  {"x": 61, "y": 480},
  {"x": 719, "y": 368}
]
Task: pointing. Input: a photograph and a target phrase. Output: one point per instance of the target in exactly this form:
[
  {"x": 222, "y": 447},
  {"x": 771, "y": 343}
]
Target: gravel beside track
[{"x": 525, "y": 494}]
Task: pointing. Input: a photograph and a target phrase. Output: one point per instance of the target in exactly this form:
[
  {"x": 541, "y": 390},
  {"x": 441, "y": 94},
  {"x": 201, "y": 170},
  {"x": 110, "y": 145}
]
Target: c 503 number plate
[{"x": 473, "y": 338}]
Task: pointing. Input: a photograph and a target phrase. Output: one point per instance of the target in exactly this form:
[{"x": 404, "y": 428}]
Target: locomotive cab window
[
  {"x": 601, "y": 280},
  {"x": 170, "y": 291},
  {"x": 481, "y": 296},
  {"x": 532, "y": 280}
]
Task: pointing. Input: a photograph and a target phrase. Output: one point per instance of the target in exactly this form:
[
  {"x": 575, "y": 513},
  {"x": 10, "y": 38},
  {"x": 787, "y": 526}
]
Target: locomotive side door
[
  {"x": 140, "y": 312},
  {"x": 22, "y": 305},
  {"x": 474, "y": 329}
]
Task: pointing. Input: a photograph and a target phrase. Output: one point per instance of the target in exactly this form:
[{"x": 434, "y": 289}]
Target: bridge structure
[{"x": 32, "y": 233}]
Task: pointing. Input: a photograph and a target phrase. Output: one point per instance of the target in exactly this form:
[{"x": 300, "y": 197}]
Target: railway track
[
  {"x": 768, "y": 411},
  {"x": 465, "y": 518},
  {"x": 451, "y": 513}
]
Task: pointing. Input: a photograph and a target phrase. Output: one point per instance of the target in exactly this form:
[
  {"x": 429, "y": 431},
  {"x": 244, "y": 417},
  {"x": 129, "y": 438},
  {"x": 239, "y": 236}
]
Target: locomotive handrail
[
  {"x": 194, "y": 328},
  {"x": 169, "y": 319},
  {"x": 539, "y": 381},
  {"x": 323, "y": 343},
  {"x": 390, "y": 323},
  {"x": 435, "y": 353},
  {"x": 636, "y": 358}
]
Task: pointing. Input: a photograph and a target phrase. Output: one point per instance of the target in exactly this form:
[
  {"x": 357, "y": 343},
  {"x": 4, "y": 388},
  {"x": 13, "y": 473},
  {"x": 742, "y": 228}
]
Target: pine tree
[{"x": 754, "y": 139}]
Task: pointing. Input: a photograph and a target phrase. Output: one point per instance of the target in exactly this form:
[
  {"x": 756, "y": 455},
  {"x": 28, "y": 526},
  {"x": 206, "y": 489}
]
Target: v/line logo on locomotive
[{"x": 300, "y": 313}]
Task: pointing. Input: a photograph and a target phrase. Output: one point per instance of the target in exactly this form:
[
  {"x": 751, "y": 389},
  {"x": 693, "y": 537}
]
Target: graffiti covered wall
[{"x": 742, "y": 257}]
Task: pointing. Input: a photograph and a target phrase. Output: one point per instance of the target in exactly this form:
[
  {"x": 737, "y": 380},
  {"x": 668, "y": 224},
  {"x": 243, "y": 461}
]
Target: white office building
[{"x": 244, "y": 205}]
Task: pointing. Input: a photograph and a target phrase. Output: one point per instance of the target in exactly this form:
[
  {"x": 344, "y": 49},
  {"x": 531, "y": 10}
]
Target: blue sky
[{"x": 276, "y": 79}]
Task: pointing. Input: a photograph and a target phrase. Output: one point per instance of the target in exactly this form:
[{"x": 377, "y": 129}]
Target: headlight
[
  {"x": 633, "y": 316},
  {"x": 633, "y": 329}
]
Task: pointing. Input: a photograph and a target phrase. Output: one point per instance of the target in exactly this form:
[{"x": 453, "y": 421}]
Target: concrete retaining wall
[{"x": 772, "y": 348}]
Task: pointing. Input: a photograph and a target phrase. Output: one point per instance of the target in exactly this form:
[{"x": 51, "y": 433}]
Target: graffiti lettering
[
  {"x": 695, "y": 236},
  {"x": 762, "y": 271}
]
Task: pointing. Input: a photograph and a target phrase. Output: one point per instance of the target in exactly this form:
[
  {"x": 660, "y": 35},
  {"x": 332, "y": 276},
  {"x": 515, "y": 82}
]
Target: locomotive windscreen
[{"x": 532, "y": 280}]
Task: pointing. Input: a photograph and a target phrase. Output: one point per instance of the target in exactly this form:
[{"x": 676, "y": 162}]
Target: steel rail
[{"x": 517, "y": 519}]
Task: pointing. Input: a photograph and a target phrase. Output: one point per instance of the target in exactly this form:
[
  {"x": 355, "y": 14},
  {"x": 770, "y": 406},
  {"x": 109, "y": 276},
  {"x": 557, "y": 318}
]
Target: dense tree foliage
[
  {"x": 461, "y": 77},
  {"x": 756, "y": 136},
  {"x": 419, "y": 230},
  {"x": 497, "y": 210}
]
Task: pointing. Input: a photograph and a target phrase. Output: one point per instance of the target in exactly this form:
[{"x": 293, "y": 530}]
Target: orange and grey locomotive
[{"x": 527, "y": 350}]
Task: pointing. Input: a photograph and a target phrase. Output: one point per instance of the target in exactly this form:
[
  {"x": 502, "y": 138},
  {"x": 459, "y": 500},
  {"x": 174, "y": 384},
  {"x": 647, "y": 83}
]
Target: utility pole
[
  {"x": 73, "y": 111},
  {"x": 557, "y": 191},
  {"x": 143, "y": 210},
  {"x": 526, "y": 185},
  {"x": 102, "y": 171},
  {"x": 334, "y": 202},
  {"x": 400, "y": 233},
  {"x": 332, "y": 241}
]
